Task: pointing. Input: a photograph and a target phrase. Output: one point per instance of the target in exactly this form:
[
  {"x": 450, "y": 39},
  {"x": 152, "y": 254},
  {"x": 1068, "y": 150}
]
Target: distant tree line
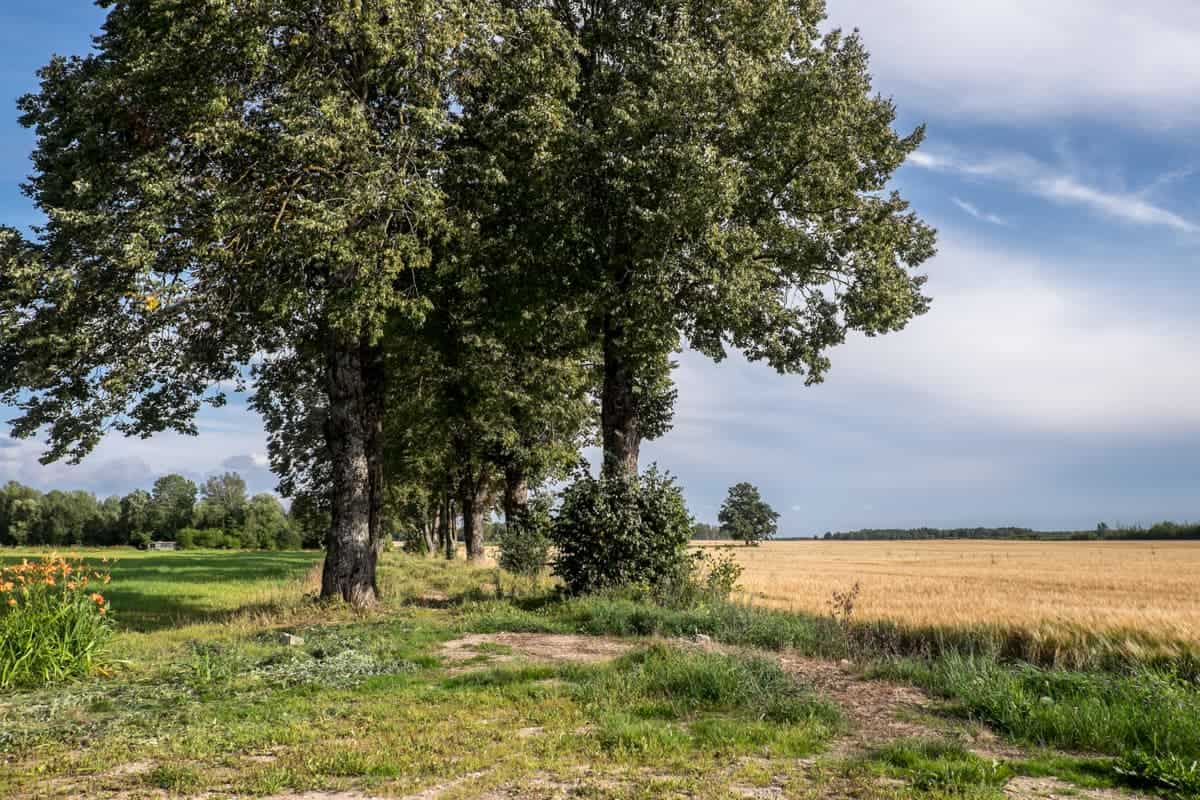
[
  {"x": 1159, "y": 531},
  {"x": 704, "y": 532},
  {"x": 217, "y": 513}
]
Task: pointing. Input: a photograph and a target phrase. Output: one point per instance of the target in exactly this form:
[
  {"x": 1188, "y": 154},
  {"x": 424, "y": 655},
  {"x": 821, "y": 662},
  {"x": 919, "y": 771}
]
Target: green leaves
[{"x": 746, "y": 516}]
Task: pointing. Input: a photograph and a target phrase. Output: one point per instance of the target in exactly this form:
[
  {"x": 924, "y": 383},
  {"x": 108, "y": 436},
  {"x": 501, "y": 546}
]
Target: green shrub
[
  {"x": 525, "y": 541},
  {"x": 186, "y": 538},
  {"x": 707, "y": 579},
  {"x": 210, "y": 537},
  {"x": 54, "y": 625},
  {"x": 621, "y": 531}
]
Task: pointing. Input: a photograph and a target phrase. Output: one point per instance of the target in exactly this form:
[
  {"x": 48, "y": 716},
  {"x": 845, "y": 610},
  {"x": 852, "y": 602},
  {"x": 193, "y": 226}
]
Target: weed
[
  {"x": 1103, "y": 712},
  {"x": 1169, "y": 774},
  {"x": 174, "y": 778},
  {"x": 938, "y": 765}
]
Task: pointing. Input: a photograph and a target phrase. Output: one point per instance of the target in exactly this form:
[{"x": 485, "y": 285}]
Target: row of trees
[
  {"x": 455, "y": 239},
  {"x": 217, "y": 513},
  {"x": 1158, "y": 531},
  {"x": 905, "y": 534}
]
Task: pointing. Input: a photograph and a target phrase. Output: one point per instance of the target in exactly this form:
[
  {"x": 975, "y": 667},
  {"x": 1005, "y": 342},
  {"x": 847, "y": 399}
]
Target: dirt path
[
  {"x": 500, "y": 648},
  {"x": 878, "y": 711}
]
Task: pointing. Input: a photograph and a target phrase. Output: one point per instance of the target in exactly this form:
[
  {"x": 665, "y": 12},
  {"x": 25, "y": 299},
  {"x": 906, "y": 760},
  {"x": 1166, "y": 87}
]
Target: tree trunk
[
  {"x": 354, "y": 443},
  {"x": 516, "y": 493},
  {"x": 373, "y": 401},
  {"x": 618, "y": 406},
  {"x": 446, "y": 527},
  {"x": 430, "y": 526},
  {"x": 474, "y": 501}
]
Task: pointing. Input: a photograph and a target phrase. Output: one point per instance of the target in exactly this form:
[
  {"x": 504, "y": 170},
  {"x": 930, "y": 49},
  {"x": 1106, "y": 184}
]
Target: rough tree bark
[
  {"x": 430, "y": 527},
  {"x": 516, "y": 493},
  {"x": 446, "y": 527},
  {"x": 473, "y": 499},
  {"x": 621, "y": 433},
  {"x": 373, "y": 401},
  {"x": 353, "y": 432}
]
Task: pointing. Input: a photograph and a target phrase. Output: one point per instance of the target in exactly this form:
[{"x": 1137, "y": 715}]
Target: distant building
[{"x": 162, "y": 546}]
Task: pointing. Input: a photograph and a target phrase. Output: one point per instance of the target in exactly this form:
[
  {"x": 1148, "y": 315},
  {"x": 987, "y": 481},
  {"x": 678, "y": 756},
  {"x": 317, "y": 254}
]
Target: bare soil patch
[
  {"x": 873, "y": 707},
  {"x": 1023, "y": 788},
  {"x": 554, "y": 648}
]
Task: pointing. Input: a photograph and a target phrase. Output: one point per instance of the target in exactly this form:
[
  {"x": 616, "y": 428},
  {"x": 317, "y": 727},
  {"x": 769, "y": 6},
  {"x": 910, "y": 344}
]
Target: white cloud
[
  {"x": 1009, "y": 348},
  {"x": 1008, "y": 340},
  {"x": 1005, "y": 59},
  {"x": 973, "y": 210},
  {"x": 119, "y": 465},
  {"x": 1023, "y": 173}
]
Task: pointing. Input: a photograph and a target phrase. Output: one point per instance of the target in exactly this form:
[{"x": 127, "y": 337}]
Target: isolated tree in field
[
  {"x": 722, "y": 182},
  {"x": 236, "y": 180},
  {"x": 746, "y": 517}
]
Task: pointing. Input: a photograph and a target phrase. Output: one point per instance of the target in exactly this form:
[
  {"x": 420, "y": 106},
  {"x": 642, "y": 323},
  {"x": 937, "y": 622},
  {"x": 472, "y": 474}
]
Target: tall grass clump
[
  {"x": 1144, "y": 711},
  {"x": 54, "y": 621},
  {"x": 932, "y": 765},
  {"x": 668, "y": 700}
]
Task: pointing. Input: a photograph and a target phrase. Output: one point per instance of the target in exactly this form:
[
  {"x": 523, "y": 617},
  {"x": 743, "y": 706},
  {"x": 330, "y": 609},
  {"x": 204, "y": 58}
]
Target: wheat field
[{"x": 1152, "y": 588}]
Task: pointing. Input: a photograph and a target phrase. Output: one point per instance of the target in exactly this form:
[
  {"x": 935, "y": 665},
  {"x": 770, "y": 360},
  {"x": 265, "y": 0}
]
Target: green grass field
[{"x": 455, "y": 688}]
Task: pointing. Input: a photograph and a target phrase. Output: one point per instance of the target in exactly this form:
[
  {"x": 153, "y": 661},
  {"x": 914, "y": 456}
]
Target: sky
[{"x": 1054, "y": 384}]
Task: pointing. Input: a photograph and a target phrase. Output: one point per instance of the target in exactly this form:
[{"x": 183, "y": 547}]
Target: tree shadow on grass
[{"x": 163, "y": 591}]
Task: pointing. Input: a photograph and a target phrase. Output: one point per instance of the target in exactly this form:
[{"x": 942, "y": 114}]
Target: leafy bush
[
  {"x": 525, "y": 541},
  {"x": 54, "y": 625},
  {"x": 621, "y": 531},
  {"x": 706, "y": 578},
  {"x": 185, "y": 539},
  {"x": 209, "y": 537}
]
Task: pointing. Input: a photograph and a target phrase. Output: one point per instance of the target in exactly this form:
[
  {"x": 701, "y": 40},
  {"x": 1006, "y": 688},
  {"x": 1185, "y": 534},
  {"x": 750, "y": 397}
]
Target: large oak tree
[
  {"x": 723, "y": 182},
  {"x": 226, "y": 182}
]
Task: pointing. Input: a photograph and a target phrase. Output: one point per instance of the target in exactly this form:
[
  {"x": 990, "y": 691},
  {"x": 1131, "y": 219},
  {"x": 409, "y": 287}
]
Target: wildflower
[
  {"x": 98, "y": 598},
  {"x": 71, "y": 585},
  {"x": 12, "y": 601}
]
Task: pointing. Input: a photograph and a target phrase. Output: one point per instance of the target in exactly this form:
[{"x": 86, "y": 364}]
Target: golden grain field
[{"x": 1150, "y": 587}]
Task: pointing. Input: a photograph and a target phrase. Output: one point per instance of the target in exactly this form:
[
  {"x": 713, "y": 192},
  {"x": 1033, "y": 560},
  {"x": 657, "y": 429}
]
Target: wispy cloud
[
  {"x": 1027, "y": 174},
  {"x": 973, "y": 210}
]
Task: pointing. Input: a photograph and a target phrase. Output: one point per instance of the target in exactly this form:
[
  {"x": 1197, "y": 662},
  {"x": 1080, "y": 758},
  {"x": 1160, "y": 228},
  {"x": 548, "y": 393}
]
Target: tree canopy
[
  {"x": 254, "y": 177},
  {"x": 722, "y": 181},
  {"x": 441, "y": 243},
  {"x": 746, "y": 517}
]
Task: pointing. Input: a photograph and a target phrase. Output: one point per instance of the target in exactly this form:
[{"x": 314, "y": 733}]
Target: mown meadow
[{"x": 202, "y": 694}]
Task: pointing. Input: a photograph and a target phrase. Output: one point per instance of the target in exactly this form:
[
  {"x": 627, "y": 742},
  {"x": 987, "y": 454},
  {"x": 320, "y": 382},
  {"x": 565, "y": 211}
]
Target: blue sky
[{"x": 1056, "y": 383}]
